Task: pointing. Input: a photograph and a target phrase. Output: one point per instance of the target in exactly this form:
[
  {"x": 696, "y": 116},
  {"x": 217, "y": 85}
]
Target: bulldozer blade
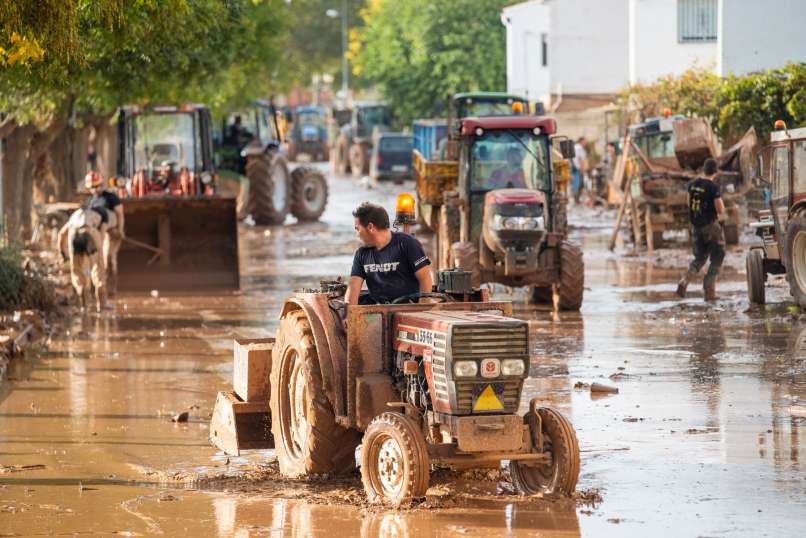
[
  {"x": 179, "y": 244},
  {"x": 237, "y": 425}
]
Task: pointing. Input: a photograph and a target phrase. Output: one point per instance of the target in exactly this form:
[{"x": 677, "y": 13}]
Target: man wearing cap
[
  {"x": 109, "y": 206},
  {"x": 706, "y": 208}
]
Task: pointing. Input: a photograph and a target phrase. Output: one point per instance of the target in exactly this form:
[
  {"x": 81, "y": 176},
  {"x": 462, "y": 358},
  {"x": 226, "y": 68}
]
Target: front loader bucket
[
  {"x": 179, "y": 244},
  {"x": 237, "y": 425}
]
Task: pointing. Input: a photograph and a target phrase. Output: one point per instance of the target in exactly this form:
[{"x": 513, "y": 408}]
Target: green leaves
[{"x": 420, "y": 52}]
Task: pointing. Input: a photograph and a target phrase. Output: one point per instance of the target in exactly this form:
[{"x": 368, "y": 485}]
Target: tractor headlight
[
  {"x": 465, "y": 369},
  {"x": 501, "y": 222},
  {"x": 513, "y": 367}
]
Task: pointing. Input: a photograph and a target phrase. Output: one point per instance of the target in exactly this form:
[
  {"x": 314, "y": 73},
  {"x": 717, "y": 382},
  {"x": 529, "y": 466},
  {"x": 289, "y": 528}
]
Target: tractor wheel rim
[
  {"x": 390, "y": 465},
  {"x": 298, "y": 407},
  {"x": 279, "y": 192},
  {"x": 799, "y": 260}
]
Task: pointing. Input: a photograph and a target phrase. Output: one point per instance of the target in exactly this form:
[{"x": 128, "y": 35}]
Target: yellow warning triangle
[{"x": 488, "y": 401}]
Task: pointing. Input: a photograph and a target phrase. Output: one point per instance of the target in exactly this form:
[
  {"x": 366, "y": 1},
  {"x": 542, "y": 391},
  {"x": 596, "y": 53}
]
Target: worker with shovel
[
  {"x": 706, "y": 208},
  {"x": 80, "y": 242},
  {"x": 110, "y": 208}
]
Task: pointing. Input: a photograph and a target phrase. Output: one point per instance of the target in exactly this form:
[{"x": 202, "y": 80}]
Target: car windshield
[
  {"x": 164, "y": 139},
  {"x": 474, "y": 108},
  {"x": 502, "y": 159},
  {"x": 396, "y": 144},
  {"x": 310, "y": 118}
]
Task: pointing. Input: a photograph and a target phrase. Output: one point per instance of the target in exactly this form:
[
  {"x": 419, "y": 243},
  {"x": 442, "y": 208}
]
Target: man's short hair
[
  {"x": 368, "y": 213},
  {"x": 709, "y": 168}
]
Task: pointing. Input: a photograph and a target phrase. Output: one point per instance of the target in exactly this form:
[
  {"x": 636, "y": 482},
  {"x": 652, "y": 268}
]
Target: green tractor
[{"x": 250, "y": 144}]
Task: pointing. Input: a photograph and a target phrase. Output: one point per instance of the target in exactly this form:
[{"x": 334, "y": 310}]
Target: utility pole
[{"x": 344, "y": 67}]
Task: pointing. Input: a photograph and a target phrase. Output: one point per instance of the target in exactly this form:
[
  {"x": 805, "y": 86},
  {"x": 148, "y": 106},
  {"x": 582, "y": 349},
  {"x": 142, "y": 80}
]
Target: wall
[
  {"x": 758, "y": 35},
  {"x": 587, "y": 47},
  {"x": 525, "y": 23},
  {"x": 654, "y": 50}
]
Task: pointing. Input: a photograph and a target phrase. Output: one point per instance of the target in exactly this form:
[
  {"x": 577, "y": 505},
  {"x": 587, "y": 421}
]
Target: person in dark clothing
[
  {"x": 393, "y": 264},
  {"x": 705, "y": 209},
  {"x": 110, "y": 207}
]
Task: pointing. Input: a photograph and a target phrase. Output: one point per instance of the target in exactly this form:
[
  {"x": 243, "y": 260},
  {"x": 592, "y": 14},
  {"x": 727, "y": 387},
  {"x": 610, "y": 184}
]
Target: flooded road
[{"x": 700, "y": 440}]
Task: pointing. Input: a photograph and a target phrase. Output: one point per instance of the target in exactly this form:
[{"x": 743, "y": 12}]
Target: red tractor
[{"x": 415, "y": 385}]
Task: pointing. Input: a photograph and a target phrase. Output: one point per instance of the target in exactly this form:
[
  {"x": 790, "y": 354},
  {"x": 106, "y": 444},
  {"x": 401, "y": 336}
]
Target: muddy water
[{"x": 700, "y": 440}]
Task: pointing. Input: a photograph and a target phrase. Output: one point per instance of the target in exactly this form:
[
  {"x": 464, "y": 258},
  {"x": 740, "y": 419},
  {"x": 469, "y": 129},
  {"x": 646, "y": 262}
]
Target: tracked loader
[{"x": 181, "y": 234}]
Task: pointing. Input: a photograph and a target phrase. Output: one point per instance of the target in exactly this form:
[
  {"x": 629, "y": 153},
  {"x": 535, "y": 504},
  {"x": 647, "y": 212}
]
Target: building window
[
  {"x": 544, "y": 49},
  {"x": 696, "y": 21}
]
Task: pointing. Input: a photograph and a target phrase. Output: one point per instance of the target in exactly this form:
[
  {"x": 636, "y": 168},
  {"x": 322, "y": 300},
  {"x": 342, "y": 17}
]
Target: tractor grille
[
  {"x": 511, "y": 399},
  {"x": 480, "y": 342}
]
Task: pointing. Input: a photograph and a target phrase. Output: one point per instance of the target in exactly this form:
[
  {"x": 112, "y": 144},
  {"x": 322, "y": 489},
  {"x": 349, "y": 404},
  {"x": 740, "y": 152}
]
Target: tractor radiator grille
[
  {"x": 496, "y": 342},
  {"x": 511, "y": 398}
]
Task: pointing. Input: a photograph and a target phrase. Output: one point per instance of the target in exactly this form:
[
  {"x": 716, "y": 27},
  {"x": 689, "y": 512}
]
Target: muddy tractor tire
[
  {"x": 268, "y": 188},
  {"x": 309, "y": 193},
  {"x": 731, "y": 233},
  {"x": 308, "y": 441},
  {"x": 795, "y": 258},
  {"x": 561, "y": 475},
  {"x": 572, "y": 277},
  {"x": 756, "y": 276},
  {"x": 359, "y": 160},
  {"x": 394, "y": 460},
  {"x": 341, "y": 156}
]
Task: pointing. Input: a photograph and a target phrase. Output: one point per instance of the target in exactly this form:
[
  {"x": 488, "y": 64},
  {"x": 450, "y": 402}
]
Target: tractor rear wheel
[
  {"x": 561, "y": 475},
  {"x": 307, "y": 438},
  {"x": 795, "y": 253},
  {"x": 359, "y": 160},
  {"x": 394, "y": 460},
  {"x": 268, "y": 187},
  {"x": 308, "y": 193},
  {"x": 572, "y": 277},
  {"x": 755, "y": 276}
]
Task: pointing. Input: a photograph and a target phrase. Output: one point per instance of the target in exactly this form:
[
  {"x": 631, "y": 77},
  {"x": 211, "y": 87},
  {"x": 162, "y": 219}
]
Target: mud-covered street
[{"x": 701, "y": 439}]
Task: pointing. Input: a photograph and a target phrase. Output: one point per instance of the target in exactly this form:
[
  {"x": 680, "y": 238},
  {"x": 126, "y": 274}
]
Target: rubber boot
[
  {"x": 682, "y": 286},
  {"x": 709, "y": 290}
]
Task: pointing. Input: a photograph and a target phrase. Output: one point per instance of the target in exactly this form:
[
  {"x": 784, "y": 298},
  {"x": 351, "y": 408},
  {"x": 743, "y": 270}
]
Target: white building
[{"x": 563, "y": 48}]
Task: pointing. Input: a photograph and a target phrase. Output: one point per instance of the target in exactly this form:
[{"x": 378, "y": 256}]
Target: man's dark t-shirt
[
  {"x": 106, "y": 201},
  {"x": 389, "y": 272},
  {"x": 702, "y": 202}
]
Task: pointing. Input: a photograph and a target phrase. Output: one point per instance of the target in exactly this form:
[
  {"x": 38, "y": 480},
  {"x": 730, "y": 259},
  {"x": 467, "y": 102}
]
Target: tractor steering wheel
[{"x": 412, "y": 297}]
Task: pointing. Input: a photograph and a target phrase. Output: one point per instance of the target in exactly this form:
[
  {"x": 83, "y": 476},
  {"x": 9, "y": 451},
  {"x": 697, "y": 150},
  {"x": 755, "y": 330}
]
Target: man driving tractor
[
  {"x": 393, "y": 264},
  {"x": 511, "y": 175}
]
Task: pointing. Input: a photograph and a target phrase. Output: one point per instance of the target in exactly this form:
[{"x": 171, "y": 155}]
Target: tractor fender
[
  {"x": 256, "y": 147},
  {"x": 331, "y": 344},
  {"x": 798, "y": 209}
]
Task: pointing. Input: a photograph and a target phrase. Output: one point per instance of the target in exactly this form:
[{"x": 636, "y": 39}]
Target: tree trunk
[
  {"x": 14, "y": 158},
  {"x": 40, "y": 144},
  {"x": 77, "y": 159},
  {"x": 106, "y": 146}
]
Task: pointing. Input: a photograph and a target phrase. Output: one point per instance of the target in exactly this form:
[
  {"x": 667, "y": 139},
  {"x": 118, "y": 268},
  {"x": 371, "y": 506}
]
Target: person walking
[
  {"x": 706, "y": 209},
  {"x": 579, "y": 168}
]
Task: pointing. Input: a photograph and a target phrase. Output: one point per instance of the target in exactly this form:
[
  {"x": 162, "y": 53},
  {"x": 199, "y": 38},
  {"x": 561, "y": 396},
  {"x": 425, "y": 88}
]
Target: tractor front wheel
[
  {"x": 560, "y": 442},
  {"x": 308, "y": 193},
  {"x": 394, "y": 460},
  {"x": 795, "y": 261},
  {"x": 755, "y": 276},
  {"x": 572, "y": 277},
  {"x": 307, "y": 438}
]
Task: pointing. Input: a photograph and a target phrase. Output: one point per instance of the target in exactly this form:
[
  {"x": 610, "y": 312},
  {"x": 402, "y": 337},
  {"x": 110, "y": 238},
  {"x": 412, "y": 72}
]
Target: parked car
[{"x": 391, "y": 157}]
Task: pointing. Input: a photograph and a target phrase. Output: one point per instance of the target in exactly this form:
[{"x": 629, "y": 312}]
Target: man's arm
[
  {"x": 62, "y": 241},
  {"x": 121, "y": 223},
  {"x": 425, "y": 279},
  {"x": 720, "y": 208},
  {"x": 353, "y": 290}
]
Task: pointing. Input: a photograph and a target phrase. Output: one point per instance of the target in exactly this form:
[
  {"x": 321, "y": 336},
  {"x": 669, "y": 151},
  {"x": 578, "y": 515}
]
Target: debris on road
[
  {"x": 798, "y": 411},
  {"x": 598, "y": 387},
  {"x": 20, "y": 468},
  {"x": 181, "y": 417}
]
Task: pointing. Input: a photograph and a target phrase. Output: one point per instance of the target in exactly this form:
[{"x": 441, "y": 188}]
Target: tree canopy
[{"x": 419, "y": 52}]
